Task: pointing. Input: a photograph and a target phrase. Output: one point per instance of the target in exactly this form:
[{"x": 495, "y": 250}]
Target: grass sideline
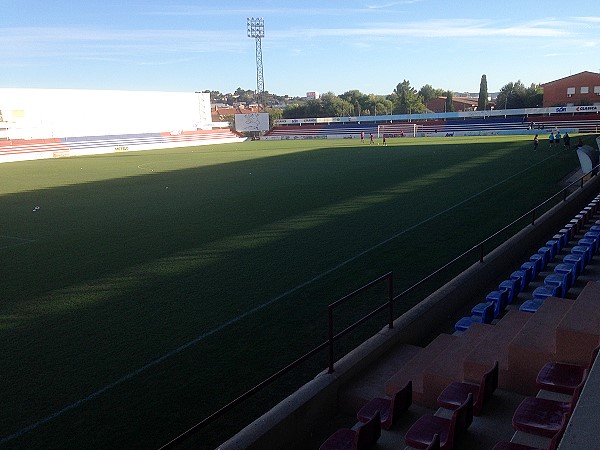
[{"x": 131, "y": 256}]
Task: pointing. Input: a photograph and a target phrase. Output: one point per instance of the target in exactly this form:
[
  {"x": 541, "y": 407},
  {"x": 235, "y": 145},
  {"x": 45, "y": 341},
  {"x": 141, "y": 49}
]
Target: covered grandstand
[{"x": 47, "y": 123}]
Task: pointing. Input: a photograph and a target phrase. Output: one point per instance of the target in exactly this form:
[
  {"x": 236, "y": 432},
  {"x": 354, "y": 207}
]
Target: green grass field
[{"x": 150, "y": 288}]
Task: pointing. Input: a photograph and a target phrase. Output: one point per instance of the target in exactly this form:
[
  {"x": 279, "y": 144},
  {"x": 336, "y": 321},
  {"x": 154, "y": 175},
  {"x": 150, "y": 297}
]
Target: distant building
[
  {"x": 220, "y": 113},
  {"x": 438, "y": 104},
  {"x": 312, "y": 95},
  {"x": 581, "y": 88}
]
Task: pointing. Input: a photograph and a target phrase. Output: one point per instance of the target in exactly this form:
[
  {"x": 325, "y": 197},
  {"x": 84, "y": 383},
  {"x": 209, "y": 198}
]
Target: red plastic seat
[
  {"x": 389, "y": 408},
  {"x": 435, "y": 443},
  {"x": 544, "y": 417},
  {"x": 364, "y": 437},
  {"x": 553, "y": 445},
  {"x": 422, "y": 433},
  {"x": 455, "y": 393},
  {"x": 563, "y": 377}
]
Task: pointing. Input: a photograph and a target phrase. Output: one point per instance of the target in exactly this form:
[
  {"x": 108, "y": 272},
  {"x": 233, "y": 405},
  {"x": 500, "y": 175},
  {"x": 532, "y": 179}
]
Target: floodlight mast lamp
[{"x": 256, "y": 30}]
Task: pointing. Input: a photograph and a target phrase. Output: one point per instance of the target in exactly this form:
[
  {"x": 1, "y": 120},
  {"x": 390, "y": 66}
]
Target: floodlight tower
[{"x": 256, "y": 30}]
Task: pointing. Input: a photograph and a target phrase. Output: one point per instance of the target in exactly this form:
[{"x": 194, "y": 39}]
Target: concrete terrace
[{"x": 424, "y": 348}]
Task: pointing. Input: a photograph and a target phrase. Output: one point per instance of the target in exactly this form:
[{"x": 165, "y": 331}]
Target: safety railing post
[
  {"x": 391, "y": 300},
  {"x": 330, "y": 338}
]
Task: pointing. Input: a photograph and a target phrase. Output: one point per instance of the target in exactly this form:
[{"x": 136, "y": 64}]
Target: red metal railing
[{"x": 389, "y": 305}]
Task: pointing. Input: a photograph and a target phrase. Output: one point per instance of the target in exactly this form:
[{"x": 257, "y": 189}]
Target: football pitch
[{"x": 142, "y": 291}]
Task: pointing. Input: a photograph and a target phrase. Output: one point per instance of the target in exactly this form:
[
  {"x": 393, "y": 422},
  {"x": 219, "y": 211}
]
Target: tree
[
  {"x": 483, "y": 94},
  {"x": 449, "y": 101},
  {"x": 377, "y": 105},
  {"x": 429, "y": 93},
  {"x": 534, "y": 96},
  {"x": 334, "y": 106},
  {"x": 515, "y": 95},
  {"x": 406, "y": 100},
  {"x": 275, "y": 114},
  {"x": 357, "y": 99},
  {"x": 243, "y": 96}
]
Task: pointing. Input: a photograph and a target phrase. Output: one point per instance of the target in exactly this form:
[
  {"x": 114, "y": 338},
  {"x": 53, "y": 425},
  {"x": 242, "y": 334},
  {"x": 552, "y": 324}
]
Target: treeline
[
  {"x": 404, "y": 99},
  {"x": 407, "y": 100}
]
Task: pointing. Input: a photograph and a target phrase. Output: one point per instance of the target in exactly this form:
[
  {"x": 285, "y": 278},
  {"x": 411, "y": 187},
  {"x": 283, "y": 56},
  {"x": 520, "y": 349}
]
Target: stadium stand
[
  {"x": 81, "y": 145},
  {"x": 437, "y": 127}
]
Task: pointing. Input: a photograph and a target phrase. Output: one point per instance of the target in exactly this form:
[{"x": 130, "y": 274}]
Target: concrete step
[
  {"x": 448, "y": 366},
  {"x": 578, "y": 333},
  {"x": 413, "y": 370},
  {"x": 494, "y": 347},
  {"x": 371, "y": 383},
  {"x": 535, "y": 345}
]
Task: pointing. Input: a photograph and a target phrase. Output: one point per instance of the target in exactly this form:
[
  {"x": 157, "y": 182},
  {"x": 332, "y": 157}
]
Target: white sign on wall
[{"x": 252, "y": 122}]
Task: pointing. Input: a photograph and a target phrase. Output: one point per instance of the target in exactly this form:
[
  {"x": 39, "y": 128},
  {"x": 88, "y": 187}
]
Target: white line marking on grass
[
  {"x": 251, "y": 311},
  {"x": 19, "y": 241}
]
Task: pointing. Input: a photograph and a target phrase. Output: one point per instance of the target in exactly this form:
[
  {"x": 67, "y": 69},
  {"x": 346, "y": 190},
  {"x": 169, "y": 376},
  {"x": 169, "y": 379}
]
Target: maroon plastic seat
[
  {"x": 422, "y": 433},
  {"x": 563, "y": 377},
  {"x": 553, "y": 445},
  {"x": 364, "y": 437},
  {"x": 435, "y": 443},
  {"x": 544, "y": 417},
  {"x": 455, "y": 393},
  {"x": 389, "y": 408}
]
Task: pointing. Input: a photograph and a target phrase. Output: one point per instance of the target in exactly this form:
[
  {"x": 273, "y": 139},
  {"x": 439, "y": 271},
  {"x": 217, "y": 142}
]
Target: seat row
[
  {"x": 546, "y": 416},
  {"x": 565, "y": 274},
  {"x": 539, "y": 416},
  {"x": 463, "y": 401},
  {"x": 555, "y": 284}
]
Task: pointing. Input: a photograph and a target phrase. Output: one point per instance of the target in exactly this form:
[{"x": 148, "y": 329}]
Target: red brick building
[
  {"x": 438, "y": 104},
  {"x": 574, "y": 90}
]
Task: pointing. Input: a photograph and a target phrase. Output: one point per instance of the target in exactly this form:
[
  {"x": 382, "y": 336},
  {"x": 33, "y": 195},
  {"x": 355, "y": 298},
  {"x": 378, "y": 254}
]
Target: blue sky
[{"x": 324, "y": 46}]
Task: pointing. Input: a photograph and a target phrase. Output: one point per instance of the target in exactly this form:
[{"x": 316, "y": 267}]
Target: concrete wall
[{"x": 288, "y": 422}]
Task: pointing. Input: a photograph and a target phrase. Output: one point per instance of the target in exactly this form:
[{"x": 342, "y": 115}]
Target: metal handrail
[{"x": 389, "y": 304}]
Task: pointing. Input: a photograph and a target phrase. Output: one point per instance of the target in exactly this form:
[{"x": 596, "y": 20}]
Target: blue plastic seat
[
  {"x": 567, "y": 232},
  {"x": 521, "y": 277},
  {"x": 574, "y": 224},
  {"x": 572, "y": 258},
  {"x": 584, "y": 251},
  {"x": 538, "y": 264},
  {"x": 595, "y": 228},
  {"x": 531, "y": 306},
  {"x": 500, "y": 300},
  {"x": 464, "y": 323},
  {"x": 562, "y": 238},
  {"x": 546, "y": 291},
  {"x": 486, "y": 312},
  {"x": 529, "y": 267},
  {"x": 591, "y": 242},
  {"x": 571, "y": 229},
  {"x": 593, "y": 234},
  {"x": 512, "y": 288},
  {"x": 567, "y": 268},
  {"x": 554, "y": 246},
  {"x": 561, "y": 280},
  {"x": 546, "y": 252}
]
